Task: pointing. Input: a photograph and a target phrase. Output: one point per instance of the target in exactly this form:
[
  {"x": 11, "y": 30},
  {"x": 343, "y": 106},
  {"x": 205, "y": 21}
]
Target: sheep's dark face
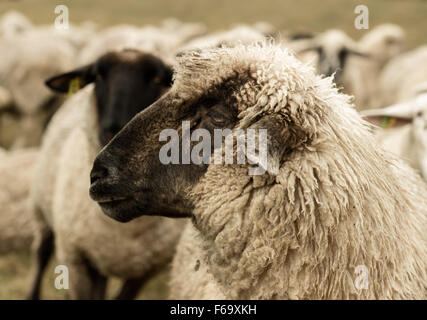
[
  {"x": 333, "y": 49},
  {"x": 128, "y": 177},
  {"x": 333, "y": 61},
  {"x": 126, "y": 82}
]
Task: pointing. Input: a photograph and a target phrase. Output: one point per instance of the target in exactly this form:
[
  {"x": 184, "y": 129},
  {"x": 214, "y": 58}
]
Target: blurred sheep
[
  {"x": 116, "y": 86},
  {"x": 240, "y": 34},
  {"x": 403, "y": 129},
  {"x": 163, "y": 40},
  {"x": 16, "y": 219},
  {"x": 329, "y": 51},
  {"x": 12, "y": 23},
  {"x": 360, "y": 77},
  {"x": 26, "y": 61},
  {"x": 402, "y": 77}
]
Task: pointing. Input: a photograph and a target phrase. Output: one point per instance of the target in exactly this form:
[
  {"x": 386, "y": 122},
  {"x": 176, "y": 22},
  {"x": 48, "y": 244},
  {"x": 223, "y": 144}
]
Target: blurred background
[
  {"x": 294, "y": 15},
  {"x": 285, "y": 16}
]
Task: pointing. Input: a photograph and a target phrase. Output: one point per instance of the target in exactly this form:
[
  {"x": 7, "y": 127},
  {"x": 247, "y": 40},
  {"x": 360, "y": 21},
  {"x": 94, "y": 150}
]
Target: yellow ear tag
[
  {"x": 387, "y": 123},
  {"x": 74, "y": 86}
]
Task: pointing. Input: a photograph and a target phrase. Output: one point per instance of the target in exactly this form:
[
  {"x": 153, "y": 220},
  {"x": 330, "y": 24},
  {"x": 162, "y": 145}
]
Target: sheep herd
[{"x": 81, "y": 112}]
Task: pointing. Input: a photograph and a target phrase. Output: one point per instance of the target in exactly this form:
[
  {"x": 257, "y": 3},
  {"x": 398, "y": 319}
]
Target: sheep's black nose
[{"x": 98, "y": 172}]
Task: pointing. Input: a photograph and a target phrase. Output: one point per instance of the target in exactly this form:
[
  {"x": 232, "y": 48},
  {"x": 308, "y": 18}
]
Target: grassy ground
[
  {"x": 15, "y": 280},
  {"x": 284, "y": 14}
]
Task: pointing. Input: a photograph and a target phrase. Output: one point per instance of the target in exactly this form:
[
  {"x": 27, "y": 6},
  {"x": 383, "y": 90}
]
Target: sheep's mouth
[
  {"x": 122, "y": 210},
  {"x": 113, "y": 200},
  {"x": 116, "y": 203}
]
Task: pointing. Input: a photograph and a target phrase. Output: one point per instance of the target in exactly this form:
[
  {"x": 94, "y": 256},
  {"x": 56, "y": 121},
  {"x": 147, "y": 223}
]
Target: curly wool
[{"x": 336, "y": 202}]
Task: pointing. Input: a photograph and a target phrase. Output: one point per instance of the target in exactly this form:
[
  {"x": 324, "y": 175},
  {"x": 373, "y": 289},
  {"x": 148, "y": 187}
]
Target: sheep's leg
[
  {"x": 81, "y": 284},
  {"x": 99, "y": 284},
  {"x": 86, "y": 283},
  {"x": 42, "y": 251},
  {"x": 131, "y": 287}
]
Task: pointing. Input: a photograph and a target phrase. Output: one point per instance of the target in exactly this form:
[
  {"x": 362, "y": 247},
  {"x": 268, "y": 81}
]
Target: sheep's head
[
  {"x": 126, "y": 82},
  {"x": 256, "y": 87},
  {"x": 333, "y": 48},
  {"x": 384, "y": 42}
]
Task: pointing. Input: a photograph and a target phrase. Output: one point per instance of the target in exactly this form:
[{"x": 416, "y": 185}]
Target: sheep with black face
[
  {"x": 330, "y": 201},
  {"x": 118, "y": 85},
  {"x": 332, "y": 49}
]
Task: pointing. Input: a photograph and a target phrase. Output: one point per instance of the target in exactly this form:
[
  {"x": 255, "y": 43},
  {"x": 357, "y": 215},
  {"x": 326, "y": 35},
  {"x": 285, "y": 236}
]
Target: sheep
[
  {"x": 9, "y": 127},
  {"x": 266, "y": 29},
  {"x": 13, "y": 23},
  {"x": 401, "y": 77},
  {"x": 198, "y": 282},
  {"x": 186, "y": 31},
  {"x": 239, "y": 34},
  {"x": 26, "y": 62},
  {"x": 330, "y": 202},
  {"x": 77, "y": 36},
  {"x": 163, "y": 40},
  {"x": 5, "y": 98},
  {"x": 126, "y": 81},
  {"x": 360, "y": 78},
  {"x": 332, "y": 49},
  {"x": 16, "y": 223},
  {"x": 404, "y": 131}
]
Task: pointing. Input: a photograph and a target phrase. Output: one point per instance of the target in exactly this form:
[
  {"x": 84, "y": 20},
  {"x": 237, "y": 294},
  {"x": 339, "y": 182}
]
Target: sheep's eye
[
  {"x": 390, "y": 41},
  {"x": 217, "y": 118},
  {"x": 320, "y": 51},
  {"x": 157, "y": 80},
  {"x": 342, "y": 54}
]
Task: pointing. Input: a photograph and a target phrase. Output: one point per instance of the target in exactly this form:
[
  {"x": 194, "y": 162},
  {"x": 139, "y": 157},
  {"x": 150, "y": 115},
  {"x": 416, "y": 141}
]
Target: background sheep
[
  {"x": 164, "y": 40},
  {"x": 12, "y": 23},
  {"x": 332, "y": 48},
  {"x": 403, "y": 130},
  {"x": 98, "y": 248},
  {"x": 5, "y": 98},
  {"x": 360, "y": 78},
  {"x": 16, "y": 220},
  {"x": 402, "y": 76},
  {"x": 239, "y": 34},
  {"x": 331, "y": 200},
  {"x": 27, "y": 60}
]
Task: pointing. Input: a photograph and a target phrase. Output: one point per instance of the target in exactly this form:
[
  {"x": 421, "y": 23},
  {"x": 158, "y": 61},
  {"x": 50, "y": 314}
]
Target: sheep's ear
[
  {"x": 355, "y": 52},
  {"x": 387, "y": 122},
  {"x": 274, "y": 138},
  {"x": 313, "y": 48},
  {"x": 391, "y": 117},
  {"x": 71, "y": 81}
]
